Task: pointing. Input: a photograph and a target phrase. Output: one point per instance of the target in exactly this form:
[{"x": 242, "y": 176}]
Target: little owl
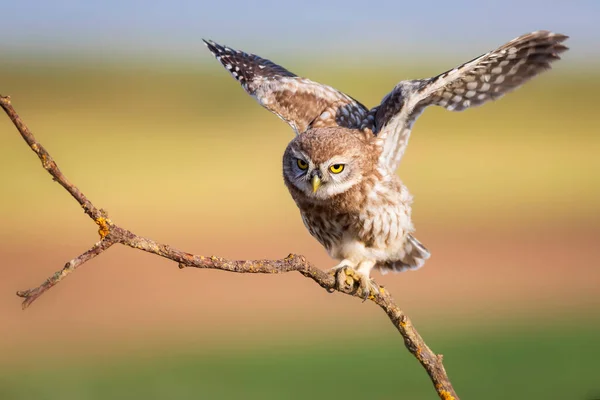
[{"x": 341, "y": 167}]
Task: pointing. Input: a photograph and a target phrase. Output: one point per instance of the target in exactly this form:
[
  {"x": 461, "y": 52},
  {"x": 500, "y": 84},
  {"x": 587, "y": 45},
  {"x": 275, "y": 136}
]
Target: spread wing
[
  {"x": 484, "y": 78},
  {"x": 300, "y": 102}
]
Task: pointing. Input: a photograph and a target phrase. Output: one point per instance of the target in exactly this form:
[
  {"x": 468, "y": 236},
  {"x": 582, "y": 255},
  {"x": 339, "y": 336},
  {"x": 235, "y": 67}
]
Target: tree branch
[
  {"x": 30, "y": 295},
  {"x": 111, "y": 234}
]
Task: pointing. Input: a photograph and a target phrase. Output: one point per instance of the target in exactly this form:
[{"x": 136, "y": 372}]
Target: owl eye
[
  {"x": 302, "y": 164},
  {"x": 336, "y": 168}
]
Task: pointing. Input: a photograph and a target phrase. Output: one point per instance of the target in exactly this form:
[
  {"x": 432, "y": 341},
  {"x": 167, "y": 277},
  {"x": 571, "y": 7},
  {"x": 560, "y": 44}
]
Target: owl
[{"x": 340, "y": 168}]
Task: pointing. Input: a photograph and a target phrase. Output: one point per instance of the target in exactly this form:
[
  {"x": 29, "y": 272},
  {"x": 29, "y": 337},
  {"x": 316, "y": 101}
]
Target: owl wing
[
  {"x": 300, "y": 102},
  {"x": 471, "y": 84}
]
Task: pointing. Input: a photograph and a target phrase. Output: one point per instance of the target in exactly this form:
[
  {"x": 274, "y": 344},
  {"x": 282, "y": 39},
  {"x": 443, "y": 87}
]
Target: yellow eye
[
  {"x": 336, "y": 168},
  {"x": 302, "y": 164}
]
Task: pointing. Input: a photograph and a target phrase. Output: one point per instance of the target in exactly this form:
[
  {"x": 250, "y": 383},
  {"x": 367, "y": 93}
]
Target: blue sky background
[{"x": 112, "y": 28}]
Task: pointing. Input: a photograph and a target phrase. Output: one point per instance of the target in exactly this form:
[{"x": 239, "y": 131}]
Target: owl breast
[{"x": 373, "y": 228}]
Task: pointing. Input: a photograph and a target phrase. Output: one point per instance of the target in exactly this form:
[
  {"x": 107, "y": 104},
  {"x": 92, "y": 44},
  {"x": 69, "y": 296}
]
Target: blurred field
[
  {"x": 507, "y": 198},
  {"x": 512, "y": 364}
]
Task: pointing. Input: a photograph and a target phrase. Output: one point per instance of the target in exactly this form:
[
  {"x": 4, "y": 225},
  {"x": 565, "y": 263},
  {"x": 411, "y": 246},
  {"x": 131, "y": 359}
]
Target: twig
[
  {"x": 110, "y": 234},
  {"x": 30, "y": 295}
]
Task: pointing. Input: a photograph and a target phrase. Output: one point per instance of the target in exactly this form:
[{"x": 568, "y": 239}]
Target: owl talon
[{"x": 368, "y": 287}]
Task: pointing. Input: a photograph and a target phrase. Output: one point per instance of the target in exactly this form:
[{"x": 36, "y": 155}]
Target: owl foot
[
  {"x": 347, "y": 277},
  {"x": 341, "y": 273},
  {"x": 369, "y": 288}
]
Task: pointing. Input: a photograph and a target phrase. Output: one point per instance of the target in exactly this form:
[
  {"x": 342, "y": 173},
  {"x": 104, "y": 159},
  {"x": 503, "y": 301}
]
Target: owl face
[{"x": 325, "y": 162}]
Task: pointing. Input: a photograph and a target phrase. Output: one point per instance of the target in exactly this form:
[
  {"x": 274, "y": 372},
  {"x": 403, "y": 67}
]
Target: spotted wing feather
[
  {"x": 300, "y": 102},
  {"x": 471, "y": 84}
]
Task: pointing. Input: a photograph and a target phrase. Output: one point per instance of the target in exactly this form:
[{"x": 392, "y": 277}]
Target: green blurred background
[{"x": 151, "y": 128}]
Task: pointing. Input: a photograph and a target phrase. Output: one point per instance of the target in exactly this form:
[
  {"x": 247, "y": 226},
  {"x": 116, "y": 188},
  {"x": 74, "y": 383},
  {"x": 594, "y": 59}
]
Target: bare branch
[
  {"x": 111, "y": 233},
  {"x": 31, "y": 295}
]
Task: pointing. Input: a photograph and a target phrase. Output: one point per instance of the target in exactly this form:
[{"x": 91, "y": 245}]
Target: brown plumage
[
  {"x": 340, "y": 169},
  {"x": 358, "y": 214}
]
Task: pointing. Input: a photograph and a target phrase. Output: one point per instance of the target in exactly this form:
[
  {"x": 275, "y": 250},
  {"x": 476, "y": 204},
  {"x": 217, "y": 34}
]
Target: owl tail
[{"x": 415, "y": 255}]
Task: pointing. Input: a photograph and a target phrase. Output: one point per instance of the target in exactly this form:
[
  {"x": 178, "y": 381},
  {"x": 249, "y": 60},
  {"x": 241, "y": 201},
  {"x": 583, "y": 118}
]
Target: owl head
[{"x": 324, "y": 162}]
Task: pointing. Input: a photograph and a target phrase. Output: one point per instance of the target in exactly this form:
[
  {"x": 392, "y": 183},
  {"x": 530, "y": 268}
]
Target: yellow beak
[{"x": 316, "y": 182}]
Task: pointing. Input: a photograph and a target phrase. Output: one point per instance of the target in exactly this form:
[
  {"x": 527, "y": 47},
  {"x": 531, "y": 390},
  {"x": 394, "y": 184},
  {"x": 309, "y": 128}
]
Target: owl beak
[{"x": 316, "y": 182}]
